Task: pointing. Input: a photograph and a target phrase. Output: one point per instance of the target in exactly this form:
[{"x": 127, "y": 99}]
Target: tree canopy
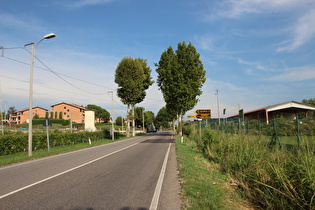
[
  {"x": 119, "y": 120},
  {"x": 11, "y": 110},
  {"x": 310, "y": 101},
  {"x": 133, "y": 77},
  {"x": 163, "y": 118},
  {"x": 181, "y": 76},
  {"x": 100, "y": 113}
]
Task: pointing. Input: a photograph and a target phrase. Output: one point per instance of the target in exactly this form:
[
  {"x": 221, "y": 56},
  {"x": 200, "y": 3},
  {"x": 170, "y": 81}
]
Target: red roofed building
[
  {"x": 287, "y": 109},
  {"x": 68, "y": 111},
  {"x": 22, "y": 116}
]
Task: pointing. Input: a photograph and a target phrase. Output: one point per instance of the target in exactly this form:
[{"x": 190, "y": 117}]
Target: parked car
[{"x": 151, "y": 131}]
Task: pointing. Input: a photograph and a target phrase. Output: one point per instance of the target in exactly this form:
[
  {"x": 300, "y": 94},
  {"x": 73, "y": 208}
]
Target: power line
[
  {"x": 67, "y": 81},
  {"x": 57, "y": 74},
  {"x": 63, "y": 78},
  {"x": 14, "y": 79}
]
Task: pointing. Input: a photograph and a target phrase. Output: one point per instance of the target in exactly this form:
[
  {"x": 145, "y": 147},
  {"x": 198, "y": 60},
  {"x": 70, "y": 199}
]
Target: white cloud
[
  {"x": 237, "y": 8},
  {"x": 256, "y": 65},
  {"x": 205, "y": 42},
  {"x": 298, "y": 74},
  {"x": 83, "y": 3},
  {"x": 302, "y": 32},
  {"x": 20, "y": 22}
]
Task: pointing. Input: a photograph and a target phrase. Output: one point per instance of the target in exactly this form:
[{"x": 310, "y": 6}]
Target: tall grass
[{"x": 271, "y": 177}]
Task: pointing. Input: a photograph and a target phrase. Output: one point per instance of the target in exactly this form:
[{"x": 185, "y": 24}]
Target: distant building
[
  {"x": 22, "y": 116},
  {"x": 287, "y": 110},
  {"x": 68, "y": 111}
]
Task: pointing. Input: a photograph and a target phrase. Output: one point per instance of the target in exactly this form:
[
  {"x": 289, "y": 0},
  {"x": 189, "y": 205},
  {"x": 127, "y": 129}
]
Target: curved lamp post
[{"x": 30, "y": 123}]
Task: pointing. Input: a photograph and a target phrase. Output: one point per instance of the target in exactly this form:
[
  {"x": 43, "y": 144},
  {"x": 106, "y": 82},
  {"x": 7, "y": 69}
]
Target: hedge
[
  {"x": 52, "y": 121},
  {"x": 13, "y": 143}
]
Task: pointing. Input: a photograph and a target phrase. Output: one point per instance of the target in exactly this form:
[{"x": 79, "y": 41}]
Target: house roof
[
  {"x": 73, "y": 105},
  {"x": 293, "y": 105},
  {"x": 36, "y": 107}
]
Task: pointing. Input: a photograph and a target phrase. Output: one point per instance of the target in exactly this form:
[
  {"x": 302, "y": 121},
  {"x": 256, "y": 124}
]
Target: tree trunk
[
  {"x": 180, "y": 130},
  {"x": 133, "y": 120},
  {"x": 128, "y": 122}
]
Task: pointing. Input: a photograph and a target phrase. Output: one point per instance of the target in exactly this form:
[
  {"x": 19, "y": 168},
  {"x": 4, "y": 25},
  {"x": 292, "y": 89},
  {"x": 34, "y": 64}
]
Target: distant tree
[
  {"x": 36, "y": 116},
  {"x": 11, "y": 110},
  {"x": 119, "y": 120},
  {"x": 163, "y": 118},
  {"x": 181, "y": 76},
  {"x": 100, "y": 113},
  {"x": 138, "y": 116},
  {"x": 60, "y": 115},
  {"x": 148, "y": 118},
  {"x": 310, "y": 101},
  {"x": 51, "y": 114},
  {"x": 133, "y": 79}
]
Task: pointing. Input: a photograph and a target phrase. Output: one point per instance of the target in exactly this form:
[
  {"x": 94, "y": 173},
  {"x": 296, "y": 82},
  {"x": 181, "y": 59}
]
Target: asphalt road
[{"x": 137, "y": 173}]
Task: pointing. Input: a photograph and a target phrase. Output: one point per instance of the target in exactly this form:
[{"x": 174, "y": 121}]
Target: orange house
[
  {"x": 68, "y": 111},
  {"x": 22, "y": 116}
]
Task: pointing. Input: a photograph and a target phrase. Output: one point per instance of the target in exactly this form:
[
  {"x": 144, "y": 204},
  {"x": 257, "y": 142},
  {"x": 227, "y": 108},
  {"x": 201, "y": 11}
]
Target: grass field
[{"x": 270, "y": 176}]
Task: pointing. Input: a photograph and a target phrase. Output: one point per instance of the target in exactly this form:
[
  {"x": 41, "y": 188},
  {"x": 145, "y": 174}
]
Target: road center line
[
  {"x": 158, "y": 188},
  {"x": 64, "y": 172}
]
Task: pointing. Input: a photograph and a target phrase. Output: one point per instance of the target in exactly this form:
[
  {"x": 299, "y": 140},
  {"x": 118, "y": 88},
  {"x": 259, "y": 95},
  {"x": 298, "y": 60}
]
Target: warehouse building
[{"x": 287, "y": 110}]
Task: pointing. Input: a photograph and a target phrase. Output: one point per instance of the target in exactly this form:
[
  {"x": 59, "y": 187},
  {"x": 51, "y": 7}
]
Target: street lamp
[{"x": 30, "y": 118}]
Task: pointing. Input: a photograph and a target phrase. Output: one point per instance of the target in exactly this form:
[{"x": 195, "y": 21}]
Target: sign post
[{"x": 47, "y": 123}]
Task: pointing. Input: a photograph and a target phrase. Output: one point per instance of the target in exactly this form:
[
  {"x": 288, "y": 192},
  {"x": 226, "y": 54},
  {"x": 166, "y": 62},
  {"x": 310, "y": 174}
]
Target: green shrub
[
  {"x": 52, "y": 121},
  {"x": 13, "y": 143}
]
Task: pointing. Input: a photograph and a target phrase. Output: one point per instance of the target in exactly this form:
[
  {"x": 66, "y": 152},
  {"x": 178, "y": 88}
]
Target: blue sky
[{"x": 256, "y": 52}]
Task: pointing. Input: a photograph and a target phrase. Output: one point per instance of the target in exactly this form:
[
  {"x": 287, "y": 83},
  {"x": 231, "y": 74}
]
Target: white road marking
[
  {"x": 64, "y": 172},
  {"x": 157, "y": 192}
]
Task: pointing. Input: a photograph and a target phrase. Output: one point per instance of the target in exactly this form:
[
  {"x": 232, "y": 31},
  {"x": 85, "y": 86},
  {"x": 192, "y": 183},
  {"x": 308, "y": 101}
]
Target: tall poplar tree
[
  {"x": 181, "y": 76},
  {"x": 133, "y": 77}
]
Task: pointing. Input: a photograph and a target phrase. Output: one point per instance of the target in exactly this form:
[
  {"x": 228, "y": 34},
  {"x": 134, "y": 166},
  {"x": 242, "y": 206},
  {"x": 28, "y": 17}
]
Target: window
[{"x": 64, "y": 107}]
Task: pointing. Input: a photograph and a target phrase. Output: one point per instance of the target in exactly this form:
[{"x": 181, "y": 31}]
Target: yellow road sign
[
  {"x": 202, "y": 111},
  {"x": 203, "y": 116},
  {"x": 192, "y": 116}
]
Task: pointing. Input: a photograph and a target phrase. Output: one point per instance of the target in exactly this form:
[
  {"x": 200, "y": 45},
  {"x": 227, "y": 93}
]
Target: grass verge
[
  {"x": 203, "y": 185},
  {"x": 270, "y": 176}
]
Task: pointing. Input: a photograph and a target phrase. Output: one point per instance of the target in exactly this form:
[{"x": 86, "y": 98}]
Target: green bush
[
  {"x": 52, "y": 121},
  {"x": 13, "y": 143}
]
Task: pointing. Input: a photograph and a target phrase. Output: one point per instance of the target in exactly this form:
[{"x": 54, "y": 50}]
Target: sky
[{"x": 256, "y": 53}]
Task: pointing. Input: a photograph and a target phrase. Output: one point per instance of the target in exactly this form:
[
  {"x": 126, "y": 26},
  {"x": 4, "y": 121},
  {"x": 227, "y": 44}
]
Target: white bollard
[{"x": 90, "y": 141}]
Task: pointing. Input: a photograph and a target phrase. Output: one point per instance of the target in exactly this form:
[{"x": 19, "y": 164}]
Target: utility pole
[
  {"x": 112, "y": 114},
  {"x": 2, "y": 130},
  {"x": 143, "y": 119}
]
